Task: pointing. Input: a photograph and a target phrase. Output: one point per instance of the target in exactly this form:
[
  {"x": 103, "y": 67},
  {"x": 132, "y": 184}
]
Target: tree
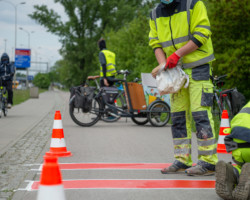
[
  {"x": 230, "y": 23},
  {"x": 42, "y": 80},
  {"x": 133, "y": 52},
  {"x": 87, "y": 20}
]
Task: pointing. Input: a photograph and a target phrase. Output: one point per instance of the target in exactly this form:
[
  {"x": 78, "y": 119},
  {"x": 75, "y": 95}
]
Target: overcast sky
[{"x": 44, "y": 46}]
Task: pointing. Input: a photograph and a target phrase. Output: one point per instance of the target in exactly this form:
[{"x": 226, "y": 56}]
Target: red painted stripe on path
[
  {"x": 134, "y": 184},
  {"x": 64, "y": 166}
]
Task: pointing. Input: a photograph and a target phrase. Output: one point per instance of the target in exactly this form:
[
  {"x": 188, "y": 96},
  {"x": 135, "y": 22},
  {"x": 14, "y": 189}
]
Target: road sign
[
  {"x": 22, "y": 58},
  {"x": 30, "y": 78}
]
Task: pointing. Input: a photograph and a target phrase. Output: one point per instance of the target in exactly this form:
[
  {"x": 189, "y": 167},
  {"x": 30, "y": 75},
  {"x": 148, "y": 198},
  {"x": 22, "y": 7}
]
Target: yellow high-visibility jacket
[
  {"x": 170, "y": 29},
  {"x": 110, "y": 63},
  {"x": 240, "y": 124}
]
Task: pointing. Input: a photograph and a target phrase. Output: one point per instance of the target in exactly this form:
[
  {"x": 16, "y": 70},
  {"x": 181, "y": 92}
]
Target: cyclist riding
[{"x": 7, "y": 72}]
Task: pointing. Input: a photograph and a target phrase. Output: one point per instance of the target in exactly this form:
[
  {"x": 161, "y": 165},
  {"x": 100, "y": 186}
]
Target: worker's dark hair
[{"x": 102, "y": 44}]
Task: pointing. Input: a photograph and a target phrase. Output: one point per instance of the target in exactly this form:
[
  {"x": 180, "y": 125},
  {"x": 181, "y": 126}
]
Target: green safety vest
[
  {"x": 110, "y": 63},
  {"x": 172, "y": 31}
]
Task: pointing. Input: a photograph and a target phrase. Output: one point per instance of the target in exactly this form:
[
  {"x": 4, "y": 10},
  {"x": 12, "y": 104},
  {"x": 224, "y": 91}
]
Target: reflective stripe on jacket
[
  {"x": 240, "y": 124},
  {"x": 110, "y": 63},
  {"x": 172, "y": 30}
]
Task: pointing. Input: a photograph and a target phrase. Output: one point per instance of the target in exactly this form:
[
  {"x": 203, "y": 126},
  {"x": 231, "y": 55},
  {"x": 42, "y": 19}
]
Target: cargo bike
[{"x": 90, "y": 104}]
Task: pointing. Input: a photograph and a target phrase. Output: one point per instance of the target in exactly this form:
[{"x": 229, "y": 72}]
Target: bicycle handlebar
[
  {"x": 220, "y": 77},
  {"x": 123, "y": 72},
  {"x": 2, "y": 78},
  {"x": 137, "y": 79},
  {"x": 218, "y": 81}
]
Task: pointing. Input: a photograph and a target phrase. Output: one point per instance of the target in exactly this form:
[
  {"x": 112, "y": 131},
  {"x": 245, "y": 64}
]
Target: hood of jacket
[{"x": 5, "y": 58}]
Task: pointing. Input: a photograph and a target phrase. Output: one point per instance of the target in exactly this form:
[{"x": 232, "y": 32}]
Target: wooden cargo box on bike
[{"x": 136, "y": 96}]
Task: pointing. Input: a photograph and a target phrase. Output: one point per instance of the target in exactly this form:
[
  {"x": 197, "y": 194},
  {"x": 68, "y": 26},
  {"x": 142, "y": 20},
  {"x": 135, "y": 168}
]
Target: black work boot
[
  {"x": 242, "y": 190},
  {"x": 225, "y": 180}
]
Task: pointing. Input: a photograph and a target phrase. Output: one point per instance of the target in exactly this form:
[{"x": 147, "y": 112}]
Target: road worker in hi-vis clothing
[
  {"x": 180, "y": 33},
  {"x": 107, "y": 64},
  {"x": 233, "y": 182}
]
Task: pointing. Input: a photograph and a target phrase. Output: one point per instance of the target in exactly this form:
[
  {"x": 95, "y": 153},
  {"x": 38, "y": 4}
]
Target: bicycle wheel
[
  {"x": 121, "y": 101},
  {"x": 5, "y": 111},
  {"x": 228, "y": 107},
  {"x": 216, "y": 110},
  {"x": 5, "y": 108},
  {"x": 141, "y": 120},
  {"x": 1, "y": 108},
  {"x": 110, "y": 115},
  {"x": 159, "y": 113},
  {"x": 86, "y": 118},
  {"x": 216, "y": 117}
]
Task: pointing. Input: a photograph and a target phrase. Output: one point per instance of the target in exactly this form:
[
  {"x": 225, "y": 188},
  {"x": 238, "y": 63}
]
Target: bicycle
[
  {"x": 157, "y": 113},
  {"x": 221, "y": 100},
  {"x": 3, "y": 99},
  {"x": 119, "y": 101}
]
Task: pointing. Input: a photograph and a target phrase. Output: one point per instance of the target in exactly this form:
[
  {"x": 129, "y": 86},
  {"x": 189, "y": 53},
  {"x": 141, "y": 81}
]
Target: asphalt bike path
[
  {"x": 118, "y": 160},
  {"x": 23, "y": 117},
  {"x": 24, "y": 133}
]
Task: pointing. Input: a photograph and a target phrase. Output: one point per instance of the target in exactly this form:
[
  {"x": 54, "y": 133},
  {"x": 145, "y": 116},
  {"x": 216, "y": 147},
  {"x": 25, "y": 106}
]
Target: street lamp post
[
  {"x": 5, "y": 41},
  {"x": 28, "y": 35},
  {"x": 27, "y": 70},
  {"x": 15, "y": 6}
]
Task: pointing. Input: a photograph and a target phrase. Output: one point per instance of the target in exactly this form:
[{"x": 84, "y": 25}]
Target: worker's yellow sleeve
[{"x": 199, "y": 24}]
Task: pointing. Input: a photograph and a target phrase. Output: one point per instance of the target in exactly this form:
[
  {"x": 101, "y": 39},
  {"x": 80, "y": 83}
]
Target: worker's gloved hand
[{"x": 172, "y": 61}]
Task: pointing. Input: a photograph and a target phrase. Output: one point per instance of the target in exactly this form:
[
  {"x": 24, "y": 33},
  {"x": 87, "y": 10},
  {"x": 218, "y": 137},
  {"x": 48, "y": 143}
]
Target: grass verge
[{"x": 20, "y": 96}]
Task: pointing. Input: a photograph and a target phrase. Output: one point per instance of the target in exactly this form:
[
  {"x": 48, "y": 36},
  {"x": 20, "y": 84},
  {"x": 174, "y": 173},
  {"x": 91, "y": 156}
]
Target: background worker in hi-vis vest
[
  {"x": 107, "y": 64},
  {"x": 180, "y": 32},
  {"x": 233, "y": 182}
]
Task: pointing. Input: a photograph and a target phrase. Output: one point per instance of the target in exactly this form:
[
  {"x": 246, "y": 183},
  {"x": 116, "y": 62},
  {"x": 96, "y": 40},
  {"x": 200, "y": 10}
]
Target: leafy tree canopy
[
  {"x": 87, "y": 20},
  {"x": 230, "y": 22},
  {"x": 124, "y": 25},
  {"x": 42, "y": 80}
]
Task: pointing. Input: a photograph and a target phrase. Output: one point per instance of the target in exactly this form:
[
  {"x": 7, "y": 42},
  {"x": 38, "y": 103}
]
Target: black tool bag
[
  {"x": 83, "y": 98},
  {"x": 109, "y": 94},
  {"x": 238, "y": 100},
  {"x": 73, "y": 91}
]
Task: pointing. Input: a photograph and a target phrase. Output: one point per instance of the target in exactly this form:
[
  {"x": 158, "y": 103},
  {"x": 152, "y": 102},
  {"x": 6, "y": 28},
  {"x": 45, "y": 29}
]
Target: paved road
[
  {"x": 24, "y": 134},
  {"x": 134, "y": 154},
  {"x": 23, "y": 117}
]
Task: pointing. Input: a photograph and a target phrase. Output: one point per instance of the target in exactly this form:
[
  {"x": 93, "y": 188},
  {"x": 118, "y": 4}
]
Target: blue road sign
[
  {"x": 22, "y": 58},
  {"x": 30, "y": 78}
]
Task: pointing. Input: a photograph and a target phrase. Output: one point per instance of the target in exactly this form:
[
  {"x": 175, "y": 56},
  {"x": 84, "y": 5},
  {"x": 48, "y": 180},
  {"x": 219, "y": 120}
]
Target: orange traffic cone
[
  {"x": 51, "y": 187},
  {"x": 224, "y": 131},
  {"x": 58, "y": 145}
]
